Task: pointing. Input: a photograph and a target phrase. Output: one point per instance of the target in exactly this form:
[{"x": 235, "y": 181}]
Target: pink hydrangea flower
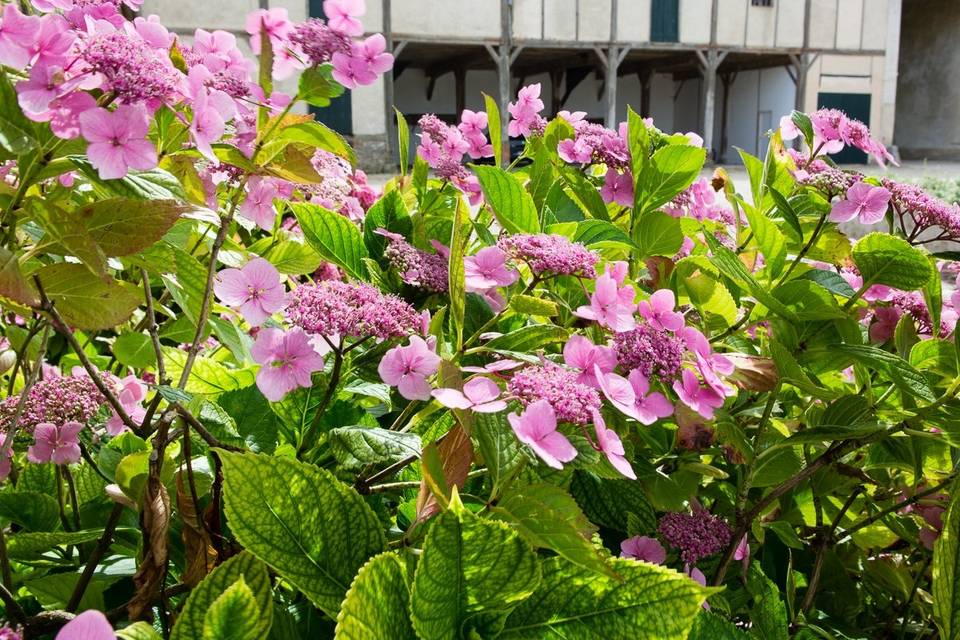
[
  {"x": 580, "y": 353},
  {"x": 788, "y": 130},
  {"x": 351, "y": 71},
  {"x": 864, "y": 201},
  {"x": 643, "y": 548},
  {"x": 118, "y": 140},
  {"x": 617, "y": 187},
  {"x": 408, "y": 367},
  {"x": 525, "y": 112},
  {"x": 17, "y": 34},
  {"x": 89, "y": 625},
  {"x": 373, "y": 51},
  {"x": 487, "y": 269},
  {"x": 611, "y": 305},
  {"x": 56, "y": 444},
  {"x": 631, "y": 395},
  {"x": 494, "y": 367},
  {"x": 479, "y": 394},
  {"x": 536, "y": 427},
  {"x": 610, "y": 445},
  {"x": 342, "y": 16},
  {"x": 287, "y": 361},
  {"x": 255, "y": 289},
  {"x": 658, "y": 311},
  {"x": 132, "y": 392},
  {"x": 572, "y": 117},
  {"x": 274, "y": 22},
  {"x": 703, "y": 400},
  {"x": 258, "y": 205}
]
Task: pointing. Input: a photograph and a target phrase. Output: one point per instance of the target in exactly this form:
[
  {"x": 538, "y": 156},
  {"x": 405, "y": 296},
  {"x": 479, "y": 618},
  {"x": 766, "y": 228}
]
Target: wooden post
[
  {"x": 727, "y": 80},
  {"x": 645, "y": 77},
  {"x": 393, "y": 145},
  {"x": 709, "y": 62},
  {"x": 556, "y": 79},
  {"x": 460, "y": 83}
]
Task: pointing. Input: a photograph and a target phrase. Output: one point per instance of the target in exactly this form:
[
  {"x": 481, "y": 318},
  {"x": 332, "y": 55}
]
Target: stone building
[{"x": 725, "y": 68}]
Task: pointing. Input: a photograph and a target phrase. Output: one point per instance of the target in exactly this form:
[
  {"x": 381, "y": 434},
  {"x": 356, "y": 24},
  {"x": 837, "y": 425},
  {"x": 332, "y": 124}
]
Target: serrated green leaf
[
  {"x": 934, "y": 355},
  {"x": 86, "y": 301},
  {"x": 255, "y": 421},
  {"x": 658, "y": 234},
  {"x": 529, "y": 337},
  {"x": 595, "y": 232},
  {"x": 495, "y": 128},
  {"x": 26, "y": 546},
  {"x": 17, "y": 133},
  {"x": 710, "y": 626},
  {"x": 646, "y": 602},
  {"x": 885, "y": 259},
  {"x": 897, "y": 369},
  {"x": 498, "y": 446},
  {"x": 390, "y": 213},
  {"x": 134, "y": 350},
  {"x": 456, "y": 276},
  {"x": 509, "y": 201},
  {"x": 355, "y": 447},
  {"x": 549, "y": 518},
  {"x": 12, "y": 283},
  {"x": 768, "y": 613},
  {"x": 246, "y": 567},
  {"x": 292, "y": 258},
  {"x": 139, "y": 631},
  {"x": 378, "y": 602},
  {"x": 671, "y": 170},
  {"x": 607, "y": 502},
  {"x": 155, "y": 184},
  {"x": 403, "y": 142},
  {"x": 317, "y": 86},
  {"x": 233, "y": 615},
  {"x": 124, "y": 226},
  {"x": 808, "y": 301},
  {"x": 946, "y": 572},
  {"x": 333, "y": 236},
  {"x": 317, "y": 135},
  {"x": 32, "y": 510},
  {"x": 772, "y": 242},
  {"x": 208, "y": 376},
  {"x": 311, "y": 528},
  {"x": 471, "y": 574},
  {"x": 532, "y": 306}
]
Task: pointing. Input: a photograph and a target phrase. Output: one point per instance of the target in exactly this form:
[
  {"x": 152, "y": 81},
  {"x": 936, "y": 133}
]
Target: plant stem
[
  {"x": 102, "y": 545},
  {"x": 207, "y": 437},
  {"x": 309, "y": 436},
  {"x": 29, "y": 381},
  {"x": 804, "y": 250}
]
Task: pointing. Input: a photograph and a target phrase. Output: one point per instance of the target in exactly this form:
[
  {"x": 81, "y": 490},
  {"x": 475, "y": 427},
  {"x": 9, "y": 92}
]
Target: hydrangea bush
[{"x": 586, "y": 393}]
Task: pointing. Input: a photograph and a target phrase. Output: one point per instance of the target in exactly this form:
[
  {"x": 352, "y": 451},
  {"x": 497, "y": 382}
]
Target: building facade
[{"x": 727, "y": 69}]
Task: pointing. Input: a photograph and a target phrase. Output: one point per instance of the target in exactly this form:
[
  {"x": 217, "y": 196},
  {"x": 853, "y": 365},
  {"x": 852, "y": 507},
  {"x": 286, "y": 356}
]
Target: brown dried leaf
[
  {"x": 155, "y": 523},
  {"x": 456, "y": 453},
  {"x": 199, "y": 555},
  {"x": 753, "y": 373}
]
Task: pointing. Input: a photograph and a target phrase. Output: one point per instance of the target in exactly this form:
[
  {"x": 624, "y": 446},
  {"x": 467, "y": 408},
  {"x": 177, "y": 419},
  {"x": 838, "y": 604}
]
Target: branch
[
  {"x": 102, "y": 545},
  {"x": 201, "y": 430},
  {"x": 30, "y": 380}
]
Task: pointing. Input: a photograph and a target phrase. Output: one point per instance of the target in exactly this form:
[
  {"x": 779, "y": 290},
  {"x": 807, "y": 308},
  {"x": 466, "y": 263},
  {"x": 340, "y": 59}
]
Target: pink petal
[
  {"x": 490, "y": 407},
  {"x": 66, "y": 454},
  {"x": 480, "y": 390},
  {"x": 554, "y": 447},
  {"x": 414, "y": 387},
  {"x": 451, "y": 398},
  {"x": 107, "y": 159},
  {"x": 89, "y": 625},
  {"x": 231, "y": 287}
]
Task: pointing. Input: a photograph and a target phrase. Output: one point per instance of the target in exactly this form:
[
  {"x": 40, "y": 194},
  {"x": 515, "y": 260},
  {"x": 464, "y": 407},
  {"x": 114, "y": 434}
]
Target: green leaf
[
  {"x": 509, "y": 201},
  {"x": 788, "y": 213},
  {"x": 390, "y": 213},
  {"x": 187, "y": 285},
  {"x": 319, "y": 136},
  {"x": 378, "y": 602},
  {"x": 772, "y": 242},
  {"x": 658, "y": 234},
  {"x": 355, "y": 447},
  {"x": 803, "y": 123},
  {"x": 597, "y": 232},
  {"x": 17, "y": 133},
  {"x": 245, "y": 567},
  {"x": 532, "y": 306},
  {"x": 498, "y": 446},
  {"x": 754, "y": 167},
  {"x": 495, "y": 129},
  {"x": 933, "y": 294},
  {"x": 86, "y": 301},
  {"x": 317, "y": 86},
  {"x": 233, "y": 616},
  {"x": 946, "y": 572},
  {"x": 585, "y": 194},
  {"x": 885, "y": 259},
  {"x": 311, "y": 528},
  {"x": 134, "y": 350},
  {"x": 808, "y": 301},
  {"x": 333, "y": 236},
  {"x": 12, "y": 283},
  {"x": 403, "y": 142},
  {"x": 292, "y": 258},
  {"x": 256, "y": 422},
  {"x": 831, "y": 281},
  {"x": 29, "y": 546},
  {"x": 124, "y": 226},
  {"x": 730, "y": 265},
  {"x": 607, "y": 502},
  {"x": 530, "y": 337},
  {"x": 549, "y": 518},
  {"x": 768, "y": 613},
  {"x": 456, "y": 276},
  {"x": 155, "y": 184},
  {"x": 65, "y": 234},
  {"x": 671, "y": 170},
  {"x": 209, "y": 377},
  {"x": 934, "y": 355},
  {"x": 471, "y": 574},
  {"x": 709, "y": 626},
  {"x": 908, "y": 379},
  {"x": 638, "y": 140},
  {"x": 139, "y": 631},
  {"x": 646, "y": 602},
  {"x": 32, "y": 510}
]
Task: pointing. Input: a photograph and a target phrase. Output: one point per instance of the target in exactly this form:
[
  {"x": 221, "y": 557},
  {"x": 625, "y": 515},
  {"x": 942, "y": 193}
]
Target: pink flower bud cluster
[
  {"x": 356, "y": 309},
  {"x": 696, "y": 535},
  {"x": 550, "y": 254},
  {"x": 572, "y": 401},
  {"x": 56, "y": 400}
]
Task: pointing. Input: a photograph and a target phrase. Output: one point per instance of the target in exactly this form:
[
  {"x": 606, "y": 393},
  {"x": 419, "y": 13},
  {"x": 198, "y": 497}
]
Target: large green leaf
[
  {"x": 65, "y": 234},
  {"x": 378, "y": 602},
  {"x": 658, "y": 234},
  {"x": 510, "y": 202},
  {"x": 529, "y": 337},
  {"x": 899, "y": 370},
  {"x": 134, "y": 350},
  {"x": 646, "y": 602},
  {"x": 769, "y": 614},
  {"x": 609, "y": 502},
  {"x": 548, "y": 517},
  {"x": 390, "y": 213},
  {"x": 256, "y": 422},
  {"x": 333, "y": 236},
  {"x": 155, "y": 184},
  {"x": 244, "y": 566},
  {"x": 495, "y": 128},
  {"x": 772, "y": 242},
  {"x": 32, "y": 510},
  {"x": 946, "y": 572},
  {"x": 671, "y": 170},
  {"x": 319, "y": 136},
  {"x": 317, "y": 86},
  {"x": 498, "y": 446},
  {"x": 17, "y": 133},
  {"x": 807, "y": 300},
  {"x": 122, "y": 226},
  {"x": 311, "y": 528},
  {"x": 208, "y": 376},
  {"x": 13, "y": 284},
  {"x": 709, "y": 626},
  {"x": 885, "y": 259},
  {"x": 471, "y": 574},
  {"x": 354, "y": 447},
  {"x": 26, "y": 546},
  {"x": 234, "y": 615},
  {"x": 600, "y": 232},
  {"x": 86, "y": 301}
]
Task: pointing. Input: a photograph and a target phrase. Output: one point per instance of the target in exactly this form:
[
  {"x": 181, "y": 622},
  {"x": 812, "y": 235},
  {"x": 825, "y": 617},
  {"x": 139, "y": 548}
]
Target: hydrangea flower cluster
[
  {"x": 418, "y": 268},
  {"x": 696, "y": 535},
  {"x": 549, "y": 254},
  {"x": 700, "y": 202},
  {"x": 443, "y": 147},
  {"x": 355, "y": 309},
  {"x": 343, "y": 189},
  {"x": 924, "y": 212},
  {"x": 525, "y": 118},
  {"x": 656, "y": 353},
  {"x": 571, "y": 401},
  {"x": 833, "y": 130},
  {"x": 56, "y": 400}
]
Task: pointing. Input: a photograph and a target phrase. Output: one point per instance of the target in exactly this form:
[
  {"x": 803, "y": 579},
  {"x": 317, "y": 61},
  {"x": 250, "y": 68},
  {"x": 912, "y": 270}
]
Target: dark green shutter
[
  {"x": 665, "y": 21},
  {"x": 855, "y": 105},
  {"x": 339, "y": 115}
]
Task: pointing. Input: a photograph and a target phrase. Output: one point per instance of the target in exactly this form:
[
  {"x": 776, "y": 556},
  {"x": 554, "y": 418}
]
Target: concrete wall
[{"x": 928, "y": 122}]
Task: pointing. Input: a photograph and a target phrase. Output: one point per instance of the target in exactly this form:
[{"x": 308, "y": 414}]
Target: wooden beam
[{"x": 460, "y": 84}]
